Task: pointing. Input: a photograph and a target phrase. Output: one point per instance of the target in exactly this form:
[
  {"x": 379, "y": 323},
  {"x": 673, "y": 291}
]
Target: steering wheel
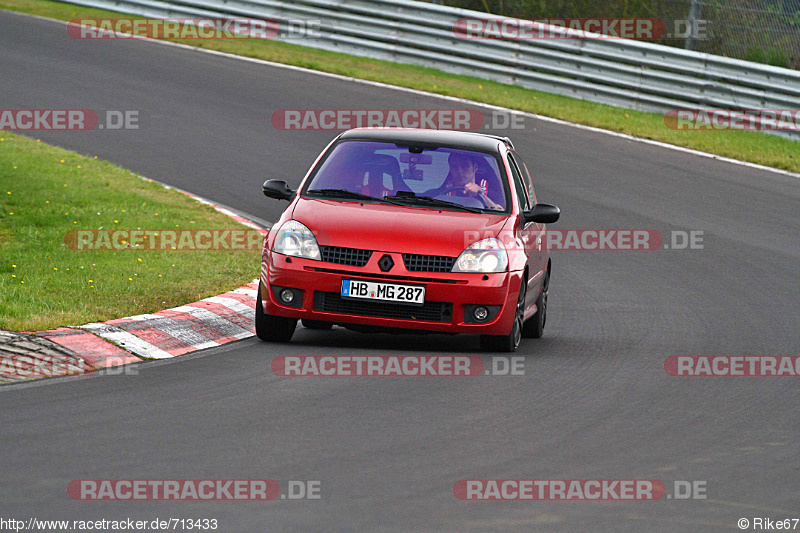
[{"x": 480, "y": 195}]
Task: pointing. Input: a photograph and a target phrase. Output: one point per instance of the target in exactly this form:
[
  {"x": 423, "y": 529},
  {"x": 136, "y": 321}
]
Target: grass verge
[
  {"x": 46, "y": 192},
  {"x": 754, "y": 147}
]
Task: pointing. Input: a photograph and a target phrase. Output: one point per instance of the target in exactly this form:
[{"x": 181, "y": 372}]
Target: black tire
[
  {"x": 316, "y": 324},
  {"x": 272, "y": 328},
  {"x": 510, "y": 342},
  {"x": 534, "y": 326}
]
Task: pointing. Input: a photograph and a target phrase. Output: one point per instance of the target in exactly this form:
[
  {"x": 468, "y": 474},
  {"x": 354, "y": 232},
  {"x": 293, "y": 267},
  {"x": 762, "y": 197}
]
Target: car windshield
[{"x": 359, "y": 170}]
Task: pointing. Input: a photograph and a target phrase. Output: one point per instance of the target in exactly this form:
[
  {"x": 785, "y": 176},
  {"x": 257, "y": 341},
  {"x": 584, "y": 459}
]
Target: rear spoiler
[{"x": 505, "y": 140}]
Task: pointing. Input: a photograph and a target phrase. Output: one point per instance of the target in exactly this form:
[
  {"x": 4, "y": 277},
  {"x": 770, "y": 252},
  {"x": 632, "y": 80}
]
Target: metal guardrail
[{"x": 619, "y": 72}]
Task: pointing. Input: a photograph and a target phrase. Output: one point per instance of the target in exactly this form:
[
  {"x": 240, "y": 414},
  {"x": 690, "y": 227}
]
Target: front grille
[
  {"x": 332, "y": 302},
  {"x": 345, "y": 256},
  {"x": 428, "y": 263},
  {"x": 392, "y": 277}
]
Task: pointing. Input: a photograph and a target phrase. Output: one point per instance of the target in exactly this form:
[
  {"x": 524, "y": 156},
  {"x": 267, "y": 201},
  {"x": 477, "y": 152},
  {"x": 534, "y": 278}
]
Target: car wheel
[
  {"x": 534, "y": 326},
  {"x": 317, "y": 324},
  {"x": 272, "y": 328},
  {"x": 510, "y": 342}
]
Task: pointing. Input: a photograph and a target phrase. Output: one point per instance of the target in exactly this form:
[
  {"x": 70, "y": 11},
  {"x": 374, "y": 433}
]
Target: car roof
[{"x": 467, "y": 140}]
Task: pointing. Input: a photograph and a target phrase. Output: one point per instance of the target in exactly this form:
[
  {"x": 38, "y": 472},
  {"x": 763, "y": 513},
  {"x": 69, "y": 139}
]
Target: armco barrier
[{"x": 620, "y": 72}]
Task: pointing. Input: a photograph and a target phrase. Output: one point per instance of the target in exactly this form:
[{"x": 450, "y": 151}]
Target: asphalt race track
[{"x": 594, "y": 403}]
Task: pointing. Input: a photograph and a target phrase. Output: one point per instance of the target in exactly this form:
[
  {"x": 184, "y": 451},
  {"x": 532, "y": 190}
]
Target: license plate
[{"x": 384, "y": 292}]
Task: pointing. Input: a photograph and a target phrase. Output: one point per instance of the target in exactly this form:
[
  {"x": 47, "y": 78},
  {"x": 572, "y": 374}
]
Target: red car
[{"x": 409, "y": 230}]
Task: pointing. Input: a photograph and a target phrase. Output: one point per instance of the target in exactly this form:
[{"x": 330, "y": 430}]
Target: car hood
[{"x": 391, "y": 228}]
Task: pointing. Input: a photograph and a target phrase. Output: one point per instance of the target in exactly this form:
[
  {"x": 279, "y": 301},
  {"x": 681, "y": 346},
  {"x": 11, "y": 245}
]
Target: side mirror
[
  {"x": 542, "y": 213},
  {"x": 277, "y": 189}
]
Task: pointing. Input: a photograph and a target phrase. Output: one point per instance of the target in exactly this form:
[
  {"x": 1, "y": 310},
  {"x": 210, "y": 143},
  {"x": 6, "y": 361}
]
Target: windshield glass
[{"x": 384, "y": 170}]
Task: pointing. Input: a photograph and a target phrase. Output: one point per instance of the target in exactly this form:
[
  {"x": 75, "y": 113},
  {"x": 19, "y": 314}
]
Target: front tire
[
  {"x": 272, "y": 328},
  {"x": 510, "y": 342}
]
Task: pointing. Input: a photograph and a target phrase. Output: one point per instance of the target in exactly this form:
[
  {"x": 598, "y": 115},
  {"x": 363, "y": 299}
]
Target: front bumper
[{"x": 448, "y": 296}]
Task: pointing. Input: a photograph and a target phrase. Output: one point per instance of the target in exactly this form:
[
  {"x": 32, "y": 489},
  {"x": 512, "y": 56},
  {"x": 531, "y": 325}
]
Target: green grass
[
  {"x": 46, "y": 191},
  {"x": 755, "y": 147}
]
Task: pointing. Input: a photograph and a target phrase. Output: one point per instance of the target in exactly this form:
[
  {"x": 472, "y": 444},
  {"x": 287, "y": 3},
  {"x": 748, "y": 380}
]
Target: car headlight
[
  {"x": 488, "y": 255},
  {"x": 296, "y": 240}
]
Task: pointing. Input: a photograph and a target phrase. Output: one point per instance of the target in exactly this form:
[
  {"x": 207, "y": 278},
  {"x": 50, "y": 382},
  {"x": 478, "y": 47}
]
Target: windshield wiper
[
  {"x": 404, "y": 198},
  {"x": 342, "y": 193},
  {"x": 433, "y": 202}
]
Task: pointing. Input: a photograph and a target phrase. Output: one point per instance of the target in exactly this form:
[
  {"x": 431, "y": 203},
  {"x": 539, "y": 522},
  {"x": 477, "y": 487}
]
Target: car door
[{"x": 529, "y": 234}]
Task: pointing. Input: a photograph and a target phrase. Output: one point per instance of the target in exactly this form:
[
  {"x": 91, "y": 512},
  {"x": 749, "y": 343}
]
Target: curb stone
[{"x": 78, "y": 350}]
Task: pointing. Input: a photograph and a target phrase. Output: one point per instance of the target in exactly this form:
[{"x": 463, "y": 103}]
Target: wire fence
[{"x": 764, "y": 31}]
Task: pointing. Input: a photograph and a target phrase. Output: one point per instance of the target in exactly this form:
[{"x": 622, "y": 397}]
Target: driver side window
[
  {"x": 518, "y": 185},
  {"x": 526, "y": 178}
]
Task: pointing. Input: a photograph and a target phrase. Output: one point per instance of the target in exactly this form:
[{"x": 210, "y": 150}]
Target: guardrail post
[{"x": 694, "y": 14}]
